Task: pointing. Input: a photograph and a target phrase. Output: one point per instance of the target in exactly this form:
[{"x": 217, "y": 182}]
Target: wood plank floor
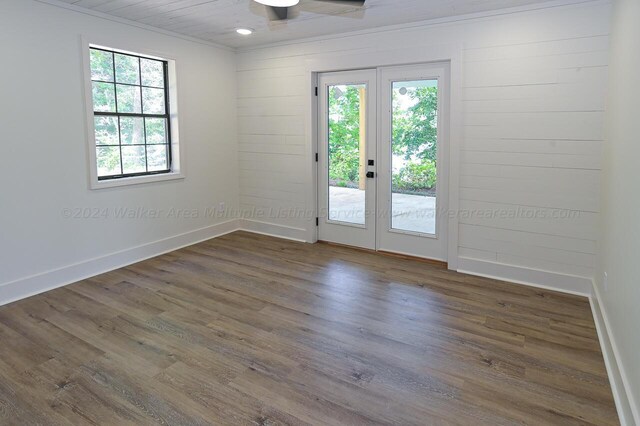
[{"x": 249, "y": 329}]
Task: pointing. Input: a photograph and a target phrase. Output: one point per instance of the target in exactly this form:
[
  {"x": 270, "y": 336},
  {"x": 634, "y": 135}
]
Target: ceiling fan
[{"x": 280, "y": 8}]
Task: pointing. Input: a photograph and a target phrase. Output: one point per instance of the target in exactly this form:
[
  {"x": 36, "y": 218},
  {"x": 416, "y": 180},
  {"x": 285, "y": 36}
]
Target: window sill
[{"x": 137, "y": 180}]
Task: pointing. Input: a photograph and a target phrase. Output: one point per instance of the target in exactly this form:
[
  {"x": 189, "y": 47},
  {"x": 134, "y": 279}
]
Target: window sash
[{"x": 165, "y": 116}]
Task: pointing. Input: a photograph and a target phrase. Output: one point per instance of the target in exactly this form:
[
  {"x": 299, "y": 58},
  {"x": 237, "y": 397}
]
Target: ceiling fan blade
[
  {"x": 345, "y": 2},
  {"x": 280, "y": 13}
]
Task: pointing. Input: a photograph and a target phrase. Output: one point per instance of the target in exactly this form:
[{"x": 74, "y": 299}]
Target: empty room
[{"x": 320, "y": 212}]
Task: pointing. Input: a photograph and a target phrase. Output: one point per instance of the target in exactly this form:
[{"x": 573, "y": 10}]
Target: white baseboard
[
  {"x": 49, "y": 280},
  {"x": 548, "y": 280},
  {"x": 39, "y": 283},
  {"x": 35, "y": 284},
  {"x": 625, "y": 403},
  {"x": 273, "y": 230}
]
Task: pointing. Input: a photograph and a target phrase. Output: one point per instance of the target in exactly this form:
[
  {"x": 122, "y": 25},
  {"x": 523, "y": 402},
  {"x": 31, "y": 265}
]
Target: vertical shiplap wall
[{"x": 530, "y": 150}]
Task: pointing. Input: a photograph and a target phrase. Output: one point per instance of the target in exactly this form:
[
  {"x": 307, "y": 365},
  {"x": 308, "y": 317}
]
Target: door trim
[
  {"x": 390, "y": 254},
  {"x": 345, "y": 232},
  {"x": 388, "y": 238},
  {"x": 377, "y": 233},
  {"x": 437, "y": 52}
]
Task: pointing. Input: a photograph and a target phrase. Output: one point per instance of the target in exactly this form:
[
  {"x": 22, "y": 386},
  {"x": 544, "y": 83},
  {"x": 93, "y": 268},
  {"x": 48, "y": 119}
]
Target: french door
[{"x": 382, "y": 159}]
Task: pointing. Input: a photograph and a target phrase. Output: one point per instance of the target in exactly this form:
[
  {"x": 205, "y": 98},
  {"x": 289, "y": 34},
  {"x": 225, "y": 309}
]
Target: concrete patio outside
[{"x": 415, "y": 213}]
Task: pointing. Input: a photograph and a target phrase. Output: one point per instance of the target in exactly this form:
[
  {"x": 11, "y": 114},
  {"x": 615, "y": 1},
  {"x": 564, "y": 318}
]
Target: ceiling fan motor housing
[{"x": 280, "y": 8}]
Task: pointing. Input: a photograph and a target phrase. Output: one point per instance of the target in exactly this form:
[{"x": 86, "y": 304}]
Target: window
[{"x": 131, "y": 114}]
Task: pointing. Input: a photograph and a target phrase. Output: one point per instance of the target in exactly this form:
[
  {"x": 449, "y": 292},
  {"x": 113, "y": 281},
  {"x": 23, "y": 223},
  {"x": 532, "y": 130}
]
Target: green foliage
[
  {"x": 128, "y": 131},
  {"x": 152, "y": 73},
  {"x": 131, "y": 130},
  {"x": 153, "y": 100},
  {"x": 127, "y": 69},
  {"x": 344, "y": 166},
  {"x": 415, "y": 177},
  {"x": 155, "y": 130},
  {"x": 414, "y": 137},
  {"x": 106, "y": 130},
  {"x": 128, "y": 99},
  {"x": 415, "y": 129},
  {"x": 108, "y": 160},
  {"x": 344, "y": 134},
  {"x": 101, "y": 65},
  {"x": 104, "y": 97}
]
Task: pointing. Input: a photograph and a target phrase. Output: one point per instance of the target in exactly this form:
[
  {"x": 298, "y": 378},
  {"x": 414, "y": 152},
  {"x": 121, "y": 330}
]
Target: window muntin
[{"x": 131, "y": 114}]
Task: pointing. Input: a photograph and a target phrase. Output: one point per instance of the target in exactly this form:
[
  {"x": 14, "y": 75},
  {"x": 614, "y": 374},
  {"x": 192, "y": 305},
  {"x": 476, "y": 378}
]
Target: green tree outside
[
  {"x": 414, "y": 138},
  {"x": 113, "y": 159}
]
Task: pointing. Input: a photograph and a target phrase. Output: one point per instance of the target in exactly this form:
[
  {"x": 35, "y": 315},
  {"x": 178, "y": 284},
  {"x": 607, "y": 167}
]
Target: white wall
[
  {"x": 44, "y": 159},
  {"x": 620, "y": 248},
  {"x": 532, "y": 100},
  {"x": 532, "y": 109}
]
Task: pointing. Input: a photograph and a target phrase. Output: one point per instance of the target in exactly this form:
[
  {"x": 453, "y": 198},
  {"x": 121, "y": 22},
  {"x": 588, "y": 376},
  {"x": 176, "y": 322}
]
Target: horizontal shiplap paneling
[{"x": 532, "y": 107}]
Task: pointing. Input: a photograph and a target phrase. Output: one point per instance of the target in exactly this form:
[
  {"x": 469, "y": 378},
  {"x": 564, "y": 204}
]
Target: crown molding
[
  {"x": 429, "y": 22},
  {"x": 101, "y": 15},
  {"x": 389, "y": 28}
]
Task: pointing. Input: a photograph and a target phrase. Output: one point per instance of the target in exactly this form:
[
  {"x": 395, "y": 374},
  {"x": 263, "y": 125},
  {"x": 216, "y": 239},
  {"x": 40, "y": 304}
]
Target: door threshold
[{"x": 390, "y": 254}]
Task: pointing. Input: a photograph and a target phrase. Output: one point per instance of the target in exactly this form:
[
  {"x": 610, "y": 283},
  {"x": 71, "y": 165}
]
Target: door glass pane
[
  {"x": 347, "y": 150},
  {"x": 414, "y": 153}
]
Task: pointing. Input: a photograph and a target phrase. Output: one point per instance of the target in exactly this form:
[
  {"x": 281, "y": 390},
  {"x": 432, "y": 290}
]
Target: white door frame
[
  {"x": 451, "y": 53},
  {"x": 335, "y": 230},
  {"x": 408, "y": 242}
]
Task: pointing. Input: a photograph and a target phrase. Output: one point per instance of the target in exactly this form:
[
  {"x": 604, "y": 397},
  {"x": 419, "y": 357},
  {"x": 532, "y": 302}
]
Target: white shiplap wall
[{"x": 532, "y": 115}]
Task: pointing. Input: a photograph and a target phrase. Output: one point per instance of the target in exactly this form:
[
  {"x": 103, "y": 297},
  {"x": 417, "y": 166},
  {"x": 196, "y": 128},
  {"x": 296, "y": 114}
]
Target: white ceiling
[{"x": 216, "y": 20}]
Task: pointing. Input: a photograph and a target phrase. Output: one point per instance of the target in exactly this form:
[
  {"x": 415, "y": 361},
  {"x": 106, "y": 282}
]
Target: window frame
[{"x": 174, "y": 154}]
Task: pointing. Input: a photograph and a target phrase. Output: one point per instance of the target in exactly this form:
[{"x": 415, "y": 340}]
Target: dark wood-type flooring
[{"x": 249, "y": 329}]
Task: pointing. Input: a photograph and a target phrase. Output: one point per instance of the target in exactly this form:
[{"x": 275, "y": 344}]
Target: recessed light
[{"x": 244, "y": 31}]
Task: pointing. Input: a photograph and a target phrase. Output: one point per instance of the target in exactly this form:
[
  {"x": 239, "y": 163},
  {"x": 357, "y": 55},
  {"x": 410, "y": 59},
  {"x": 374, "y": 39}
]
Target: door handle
[{"x": 371, "y": 175}]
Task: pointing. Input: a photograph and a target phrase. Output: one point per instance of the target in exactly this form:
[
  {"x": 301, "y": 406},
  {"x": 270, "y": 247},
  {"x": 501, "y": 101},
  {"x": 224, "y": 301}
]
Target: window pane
[
  {"x": 108, "y": 158},
  {"x": 131, "y": 130},
  {"x": 101, "y": 65},
  {"x": 127, "y": 87},
  {"x": 347, "y": 148},
  {"x": 153, "y": 100},
  {"x": 104, "y": 99},
  {"x": 156, "y": 131},
  {"x": 127, "y": 69},
  {"x": 133, "y": 159},
  {"x": 157, "y": 157},
  {"x": 152, "y": 73},
  {"x": 106, "y": 130},
  {"x": 128, "y": 98},
  {"x": 414, "y": 155}
]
